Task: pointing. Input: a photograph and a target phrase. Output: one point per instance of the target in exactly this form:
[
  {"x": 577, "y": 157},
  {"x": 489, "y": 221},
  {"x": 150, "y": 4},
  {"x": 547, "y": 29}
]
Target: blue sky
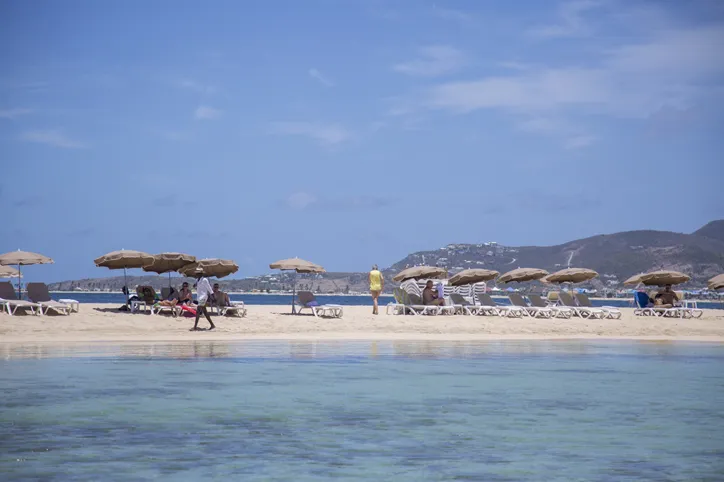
[{"x": 351, "y": 133}]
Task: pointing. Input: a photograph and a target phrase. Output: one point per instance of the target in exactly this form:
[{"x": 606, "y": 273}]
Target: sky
[{"x": 351, "y": 133}]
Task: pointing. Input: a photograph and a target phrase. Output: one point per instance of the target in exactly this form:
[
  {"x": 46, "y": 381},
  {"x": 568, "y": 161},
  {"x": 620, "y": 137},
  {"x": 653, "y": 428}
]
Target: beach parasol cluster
[
  {"x": 21, "y": 258},
  {"x": 162, "y": 263}
]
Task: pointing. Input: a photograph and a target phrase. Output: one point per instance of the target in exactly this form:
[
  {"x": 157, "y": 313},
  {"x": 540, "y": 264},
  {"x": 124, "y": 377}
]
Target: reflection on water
[{"x": 363, "y": 411}]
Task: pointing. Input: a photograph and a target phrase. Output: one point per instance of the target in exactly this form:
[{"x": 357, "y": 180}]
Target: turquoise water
[{"x": 364, "y": 411}]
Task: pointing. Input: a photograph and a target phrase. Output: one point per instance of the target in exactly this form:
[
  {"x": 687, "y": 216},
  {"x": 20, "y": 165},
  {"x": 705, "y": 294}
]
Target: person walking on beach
[
  {"x": 203, "y": 292},
  {"x": 377, "y": 284}
]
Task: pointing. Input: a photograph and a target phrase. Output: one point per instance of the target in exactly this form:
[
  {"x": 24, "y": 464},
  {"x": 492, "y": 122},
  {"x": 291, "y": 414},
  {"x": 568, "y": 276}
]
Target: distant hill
[
  {"x": 713, "y": 230},
  {"x": 614, "y": 256}
]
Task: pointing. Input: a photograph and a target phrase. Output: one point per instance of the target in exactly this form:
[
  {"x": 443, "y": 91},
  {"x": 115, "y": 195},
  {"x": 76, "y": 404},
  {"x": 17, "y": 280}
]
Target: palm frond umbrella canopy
[
  {"x": 472, "y": 276},
  {"x": 664, "y": 277},
  {"x": 570, "y": 275},
  {"x": 633, "y": 280},
  {"x": 418, "y": 272},
  {"x": 522, "y": 275},
  {"x": 9, "y": 272},
  {"x": 215, "y": 267},
  {"x": 298, "y": 265},
  {"x": 124, "y": 259},
  {"x": 716, "y": 283},
  {"x": 22, "y": 258},
  {"x": 168, "y": 263}
]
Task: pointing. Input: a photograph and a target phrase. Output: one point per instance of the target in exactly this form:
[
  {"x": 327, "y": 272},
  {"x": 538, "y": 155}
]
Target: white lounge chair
[
  {"x": 608, "y": 311},
  {"x": 461, "y": 305},
  {"x": 306, "y": 300},
  {"x": 38, "y": 293},
  {"x": 536, "y": 312},
  {"x": 488, "y": 306},
  {"x": 236, "y": 308},
  {"x": 11, "y": 303},
  {"x": 567, "y": 300},
  {"x": 642, "y": 308},
  {"x": 558, "y": 311}
]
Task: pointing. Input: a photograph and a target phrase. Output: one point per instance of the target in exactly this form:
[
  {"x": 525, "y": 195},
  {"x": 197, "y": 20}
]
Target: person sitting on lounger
[
  {"x": 667, "y": 298},
  {"x": 172, "y": 299},
  {"x": 219, "y": 298},
  {"x": 430, "y": 296},
  {"x": 185, "y": 297}
]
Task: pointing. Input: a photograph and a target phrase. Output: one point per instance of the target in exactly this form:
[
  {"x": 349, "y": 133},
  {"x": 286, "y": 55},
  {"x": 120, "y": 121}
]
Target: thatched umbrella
[
  {"x": 521, "y": 275},
  {"x": 168, "y": 263},
  {"x": 124, "y": 259},
  {"x": 570, "y": 275},
  {"x": 211, "y": 267},
  {"x": 418, "y": 272},
  {"x": 299, "y": 266},
  {"x": 664, "y": 277},
  {"x": 472, "y": 276},
  {"x": 22, "y": 258},
  {"x": 9, "y": 272},
  {"x": 633, "y": 280},
  {"x": 717, "y": 282}
]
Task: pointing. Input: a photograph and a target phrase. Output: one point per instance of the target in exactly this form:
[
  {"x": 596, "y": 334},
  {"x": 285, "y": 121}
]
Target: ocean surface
[
  {"x": 407, "y": 411},
  {"x": 259, "y": 299}
]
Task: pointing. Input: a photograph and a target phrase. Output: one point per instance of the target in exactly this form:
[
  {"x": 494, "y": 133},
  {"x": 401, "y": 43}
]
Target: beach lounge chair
[
  {"x": 644, "y": 307},
  {"x": 535, "y": 311},
  {"x": 10, "y": 302},
  {"x": 558, "y": 311},
  {"x": 397, "y": 307},
  {"x": 306, "y": 300},
  {"x": 158, "y": 308},
  {"x": 418, "y": 307},
  {"x": 609, "y": 311},
  {"x": 461, "y": 305},
  {"x": 567, "y": 300},
  {"x": 38, "y": 293},
  {"x": 147, "y": 298},
  {"x": 489, "y": 307},
  {"x": 236, "y": 308}
]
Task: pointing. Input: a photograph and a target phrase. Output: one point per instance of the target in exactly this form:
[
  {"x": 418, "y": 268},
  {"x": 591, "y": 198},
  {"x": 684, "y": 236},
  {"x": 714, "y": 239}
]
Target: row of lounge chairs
[
  {"x": 407, "y": 302},
  {"x": 40, "y": 301},
  {"x": 147, "y": 299}
]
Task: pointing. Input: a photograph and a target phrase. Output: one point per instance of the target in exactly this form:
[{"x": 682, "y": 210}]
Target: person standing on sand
[
  {"x": 377, "y": 284},
  {"x": 203, "y": 292}
]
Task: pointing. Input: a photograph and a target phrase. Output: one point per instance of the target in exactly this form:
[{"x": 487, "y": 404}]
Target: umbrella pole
[
  {"x": 125, "y": 283},
  {"x": 294, "y": 293},
  {"x": 20, "y": 283},
  {"x": 169, "y": 279}
]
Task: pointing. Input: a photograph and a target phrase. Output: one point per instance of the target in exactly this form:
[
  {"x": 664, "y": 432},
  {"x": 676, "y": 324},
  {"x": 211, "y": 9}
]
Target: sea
[
  {"x": 372, "y": 411},
  {"x": 346, "y": 300}
]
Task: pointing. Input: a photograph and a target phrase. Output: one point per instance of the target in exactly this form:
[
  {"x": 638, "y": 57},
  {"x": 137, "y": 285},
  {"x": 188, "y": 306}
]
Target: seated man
[
  {"x": 430, "y": 295},
  {"x": 667, "y": 298},
  {"x": 219, "y": 298}
]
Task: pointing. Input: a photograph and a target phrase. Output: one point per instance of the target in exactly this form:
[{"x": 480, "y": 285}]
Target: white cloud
[
  {"x": 325, "y": 134},
  {"x": 435, "y": 61},
  {"x": 14, "y": 113},
  {"x": 301, "y": 200},
  {"x": 578, "y": 142},
  {"x": 196, "y": 86},
  {"x": 204, "y": 112},
  {"x": 572, "y": 23},
  {"x": 319, "y": 77},
  {"x": 52, "y": 137}
]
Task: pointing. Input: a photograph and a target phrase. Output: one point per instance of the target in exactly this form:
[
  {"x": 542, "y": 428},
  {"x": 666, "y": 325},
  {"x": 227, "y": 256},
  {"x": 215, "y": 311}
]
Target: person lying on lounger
[
  {"x": 219, "y": 298},
  {"x": 430, "y": 296}
]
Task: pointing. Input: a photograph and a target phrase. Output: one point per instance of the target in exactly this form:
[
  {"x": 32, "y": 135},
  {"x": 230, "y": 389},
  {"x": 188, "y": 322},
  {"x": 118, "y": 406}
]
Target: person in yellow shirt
[{"x": 377, "y": 284}]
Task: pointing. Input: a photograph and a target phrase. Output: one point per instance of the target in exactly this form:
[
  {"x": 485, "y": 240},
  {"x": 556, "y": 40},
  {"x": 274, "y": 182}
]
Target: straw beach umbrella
[
  {"x": 472, "y": 276},
  {"x": 298, "y": 265},
  {"x": 124, "y": 259},
  {"x": 215, "y": 267},
  {"x": 717, "y": 282},
  {"x": 168, "y": 263},
  {"x": 521, "y": 275},
  {"x": 570, "y": 275},
  {"x": 22, "y": 258},
  {"x": 633, "y": 280},
  {"x": 9, "y": 272},
  {"x": 417, "y": 272},
  {"x": 664, "y": 277}
]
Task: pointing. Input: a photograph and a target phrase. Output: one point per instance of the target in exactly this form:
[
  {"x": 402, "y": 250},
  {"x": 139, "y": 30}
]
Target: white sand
[{"x": 103, "y": 323}]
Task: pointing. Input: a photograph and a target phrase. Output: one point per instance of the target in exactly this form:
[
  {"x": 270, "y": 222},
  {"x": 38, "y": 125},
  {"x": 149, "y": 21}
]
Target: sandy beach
[{"x": 104, "y": 324}]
